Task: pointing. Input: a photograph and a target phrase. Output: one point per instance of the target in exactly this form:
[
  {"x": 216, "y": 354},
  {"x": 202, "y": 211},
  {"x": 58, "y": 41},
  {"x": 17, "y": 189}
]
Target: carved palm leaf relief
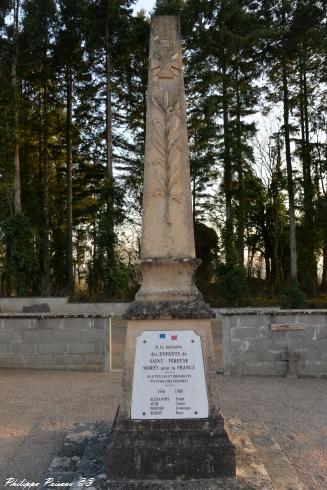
[{"x": 166, "y": 139}]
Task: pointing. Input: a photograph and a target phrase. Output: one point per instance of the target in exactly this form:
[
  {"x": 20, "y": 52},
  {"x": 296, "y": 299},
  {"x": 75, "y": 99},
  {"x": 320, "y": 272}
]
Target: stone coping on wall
[
  {"x": 55, "y": 315},
  {"x": 57, "y": 299},
  {"x": 273, "y": 312}
]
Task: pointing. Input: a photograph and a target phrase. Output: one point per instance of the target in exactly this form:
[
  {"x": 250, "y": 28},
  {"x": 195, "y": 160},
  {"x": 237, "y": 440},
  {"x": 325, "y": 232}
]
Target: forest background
[{"x": 73, "y": 80}]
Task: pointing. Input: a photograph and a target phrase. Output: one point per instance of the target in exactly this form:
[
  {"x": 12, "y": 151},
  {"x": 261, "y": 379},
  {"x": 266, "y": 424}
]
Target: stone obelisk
[
  {"x": 167, "y": 250},
  {"x": 169, "y": 418}
]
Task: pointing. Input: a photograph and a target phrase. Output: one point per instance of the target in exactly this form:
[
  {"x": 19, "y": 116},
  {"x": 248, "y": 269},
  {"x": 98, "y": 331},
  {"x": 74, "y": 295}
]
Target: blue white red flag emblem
[{"x": 164, "y": 336}]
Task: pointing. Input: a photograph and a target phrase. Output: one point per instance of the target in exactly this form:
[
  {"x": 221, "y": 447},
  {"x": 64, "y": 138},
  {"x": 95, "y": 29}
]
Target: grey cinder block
[
  {"x": 66, "y": 360},
  {"x": 260, "y": 369},
  {"x": 93, "y": 359},
  {"x": 311, "y": 368},
  {"x": 76, "y": 347},
  {"x": 78, "y": 322},
  {"x": 92, "y": 335},
  {"x": 67, "y": 334},
  {"x": 52, "y": 347},
  {"x": 8, "y": 336},
  {"x": 254, "y": 320},
  {"x": 38, "y": 360},
  {"x": 22, "y": 347},
  {"x": 12, "y": 360},
  {"x": 38, "y": 335},
  {"x": 244, "y": 333}
]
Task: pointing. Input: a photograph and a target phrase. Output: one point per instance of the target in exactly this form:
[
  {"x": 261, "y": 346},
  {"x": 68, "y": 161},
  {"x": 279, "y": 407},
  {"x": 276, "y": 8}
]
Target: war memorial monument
[{"x": 169, "y": 425}]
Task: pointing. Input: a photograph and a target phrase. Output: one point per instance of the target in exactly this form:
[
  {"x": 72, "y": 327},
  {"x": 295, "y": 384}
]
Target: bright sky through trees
[{"x": 147, "y": 5}]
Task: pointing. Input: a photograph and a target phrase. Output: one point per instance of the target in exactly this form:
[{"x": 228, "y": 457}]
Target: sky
[{"x": 144, "y": 4}]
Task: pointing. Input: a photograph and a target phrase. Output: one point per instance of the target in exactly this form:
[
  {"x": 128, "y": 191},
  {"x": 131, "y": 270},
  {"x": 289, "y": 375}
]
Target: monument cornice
[{"x": 169, "y": 310}]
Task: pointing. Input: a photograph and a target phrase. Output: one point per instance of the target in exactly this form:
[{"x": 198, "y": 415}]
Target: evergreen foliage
[
  {"x": 21, "y": 265},
  {"x": 232, "y": 284},
  {"x": 73, "y": 83}
]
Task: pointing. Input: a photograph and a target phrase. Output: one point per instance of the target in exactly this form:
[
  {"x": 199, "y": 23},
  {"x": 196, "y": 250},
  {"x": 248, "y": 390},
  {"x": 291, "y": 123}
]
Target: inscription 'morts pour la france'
[{"x": 169, "y": 379}]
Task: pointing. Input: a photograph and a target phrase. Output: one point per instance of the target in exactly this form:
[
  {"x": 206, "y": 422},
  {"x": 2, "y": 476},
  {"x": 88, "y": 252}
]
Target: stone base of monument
[
  {"x": 260, "y": 462},
  {"x": 169, "y": 425},
  {"x": 170, "y": 450}
]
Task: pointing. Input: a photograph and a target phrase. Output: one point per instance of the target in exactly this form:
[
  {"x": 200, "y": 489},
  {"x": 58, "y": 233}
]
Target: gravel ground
[
  {"x": 295, "y": 410},
  {"x": 38, "y": 407}
]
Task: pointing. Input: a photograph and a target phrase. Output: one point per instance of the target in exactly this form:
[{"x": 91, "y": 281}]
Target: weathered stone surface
[
  {"x": 168, "y": 259},
  {"x": 167, "y": 211},
  {"x": 166, "y": 310},
  {"x": 37, "y": 308},
  {"x": 187, "y": 451}
]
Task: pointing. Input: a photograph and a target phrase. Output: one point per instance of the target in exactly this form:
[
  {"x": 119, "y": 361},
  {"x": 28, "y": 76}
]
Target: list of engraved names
[{"x": 169, "y": 379}]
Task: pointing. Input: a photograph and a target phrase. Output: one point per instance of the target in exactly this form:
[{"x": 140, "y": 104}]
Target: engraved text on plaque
[{"x": 169, "y": 379}]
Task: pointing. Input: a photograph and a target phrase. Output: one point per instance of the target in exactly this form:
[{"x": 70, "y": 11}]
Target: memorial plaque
[{"x": 169, "y": 380}]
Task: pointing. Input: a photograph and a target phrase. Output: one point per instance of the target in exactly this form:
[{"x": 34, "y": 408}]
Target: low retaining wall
[
  {"x": 48, "y": 341},
  {"x": 9, "y": 305},
  {"x": 259, "y": 342},
  {"x": 61, "y": 305},
  {"x": 117, "y": 309}
]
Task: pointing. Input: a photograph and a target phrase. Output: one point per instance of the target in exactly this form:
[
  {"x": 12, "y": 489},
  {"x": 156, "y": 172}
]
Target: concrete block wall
[
  {"x": 48, "y": 342},
  {"x": 252, "y": 346}
]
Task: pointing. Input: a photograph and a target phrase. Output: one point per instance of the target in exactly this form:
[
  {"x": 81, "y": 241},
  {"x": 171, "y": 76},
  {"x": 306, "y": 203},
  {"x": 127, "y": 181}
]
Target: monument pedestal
[
  {"x": 177, "y": 450},
  {"x": 192, "y": 443}
]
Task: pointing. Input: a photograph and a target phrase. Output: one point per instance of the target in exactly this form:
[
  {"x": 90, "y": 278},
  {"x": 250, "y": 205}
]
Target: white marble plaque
[{"x": 169, "y": 380}]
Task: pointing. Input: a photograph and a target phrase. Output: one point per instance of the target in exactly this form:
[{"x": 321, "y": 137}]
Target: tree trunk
[
  {"x": 275, "y": 269},
  {"x": 309, "y": 263},
  {"x": 45, "y": 189},
  {"x": 324, "y": 267},
  {"x": 290, "y": 186},
  {"x": 17, "y": 186},
  {"x": 69, "y": 95},
  {"x": 267, "y": 268},
  {"x": 45, "y": 170},
  {"x": 239, "y": 162},
  {"x": 110, "y": 250},
  {"x": 108, "y": 106},
  {"x": 229, "y": 238}
]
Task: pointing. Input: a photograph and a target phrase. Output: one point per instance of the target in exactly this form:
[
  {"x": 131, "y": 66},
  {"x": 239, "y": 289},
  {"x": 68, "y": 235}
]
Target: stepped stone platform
[{"x": 260, "y": 463}]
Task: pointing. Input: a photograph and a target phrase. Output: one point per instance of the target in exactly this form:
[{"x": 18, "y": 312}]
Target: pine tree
[
  {"x": 69, "y": 55},
  {"x": 305, "y": 30},
  {"x": 37, "y": 39},
  {"x": 279, "y": 59}
]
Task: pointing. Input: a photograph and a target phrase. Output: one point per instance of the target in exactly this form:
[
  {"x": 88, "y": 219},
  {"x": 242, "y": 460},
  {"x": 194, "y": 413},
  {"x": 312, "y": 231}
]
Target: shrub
[
  {"x": 292, "y": 297},
  {"x": 233, "y": 285}
]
